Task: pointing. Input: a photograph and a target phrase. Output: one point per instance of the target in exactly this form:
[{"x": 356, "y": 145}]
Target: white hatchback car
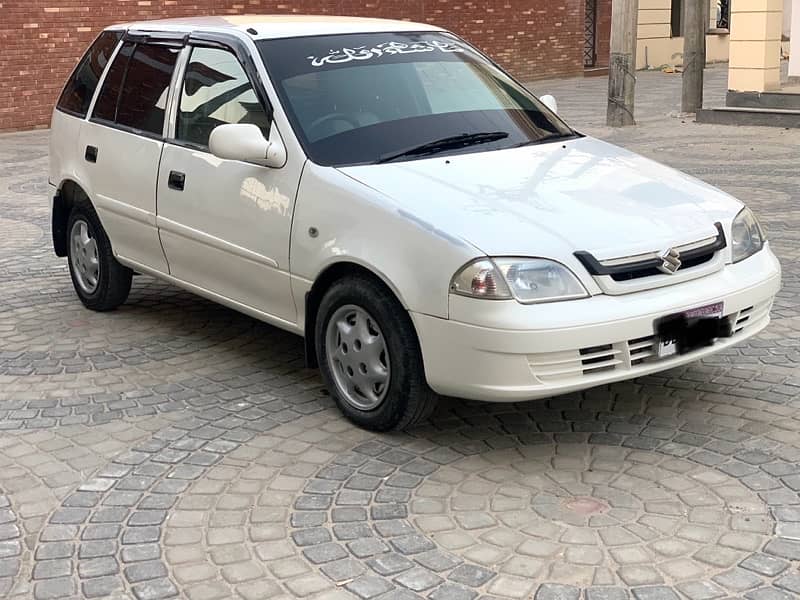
[{"x": 385, "y": 190}]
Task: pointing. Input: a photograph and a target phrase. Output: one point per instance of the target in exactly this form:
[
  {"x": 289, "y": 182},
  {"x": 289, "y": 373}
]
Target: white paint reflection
[{"x": 266, "y": 199}]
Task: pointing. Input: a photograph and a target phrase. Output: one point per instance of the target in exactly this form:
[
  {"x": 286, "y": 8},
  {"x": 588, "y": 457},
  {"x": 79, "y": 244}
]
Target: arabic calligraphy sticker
[{"x": 345, "y": 55}]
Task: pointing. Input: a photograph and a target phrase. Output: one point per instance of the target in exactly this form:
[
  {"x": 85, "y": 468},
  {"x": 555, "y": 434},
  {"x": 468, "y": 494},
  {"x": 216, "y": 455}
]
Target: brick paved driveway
[{"x": 175, "y": 448}]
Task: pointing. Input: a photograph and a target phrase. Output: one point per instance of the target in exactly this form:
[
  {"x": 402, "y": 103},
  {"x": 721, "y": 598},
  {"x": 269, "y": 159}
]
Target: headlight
[
  {"x": 528, "y": 280},
  {"x": 747, "y": 235}
]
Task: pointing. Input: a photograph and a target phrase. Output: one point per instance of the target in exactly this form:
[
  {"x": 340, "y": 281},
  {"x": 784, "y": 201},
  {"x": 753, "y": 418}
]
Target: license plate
[
  {"x": 683, "y": 332},
  {"x": 710, "y": 310}
]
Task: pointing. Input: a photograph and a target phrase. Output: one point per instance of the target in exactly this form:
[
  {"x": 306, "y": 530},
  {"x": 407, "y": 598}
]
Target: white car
[{"x": 385, "y": 190}]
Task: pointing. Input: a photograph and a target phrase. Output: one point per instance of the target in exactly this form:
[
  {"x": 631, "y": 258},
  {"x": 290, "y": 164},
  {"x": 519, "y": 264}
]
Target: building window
[
  {"x": 677, "y": 18},
  {"x": 723, "y": 14}
]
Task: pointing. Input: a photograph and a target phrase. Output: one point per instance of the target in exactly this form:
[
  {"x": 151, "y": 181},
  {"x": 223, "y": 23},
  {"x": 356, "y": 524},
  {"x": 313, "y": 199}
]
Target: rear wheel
[
  {"x": 101, "y": 283},
  {"x": 370, "y": 357}
]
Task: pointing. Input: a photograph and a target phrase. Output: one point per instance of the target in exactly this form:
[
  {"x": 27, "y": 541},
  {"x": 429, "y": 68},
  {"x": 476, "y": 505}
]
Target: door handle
[
  {"x": 91, "y": 154},
  {"x": 176, "y": 180}
]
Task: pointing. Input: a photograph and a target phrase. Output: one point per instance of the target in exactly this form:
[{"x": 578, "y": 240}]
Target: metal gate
[{"x": 590, "y": 34}]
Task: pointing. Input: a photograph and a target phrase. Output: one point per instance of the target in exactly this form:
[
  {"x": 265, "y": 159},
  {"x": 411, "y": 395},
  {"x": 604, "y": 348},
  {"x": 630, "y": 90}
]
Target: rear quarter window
[
  {"x": 81, "y": 85},
  {"x": 105, "y": 108}
]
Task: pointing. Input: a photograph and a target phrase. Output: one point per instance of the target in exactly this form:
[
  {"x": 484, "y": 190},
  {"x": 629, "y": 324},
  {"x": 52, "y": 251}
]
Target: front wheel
[{"x": 370, "y": 357}]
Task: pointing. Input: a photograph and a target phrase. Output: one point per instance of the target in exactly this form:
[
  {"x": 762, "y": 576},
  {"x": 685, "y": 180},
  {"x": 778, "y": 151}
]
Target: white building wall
[
  {"x": 656, "y": 47},
  {"x": 794, "y": 57}
]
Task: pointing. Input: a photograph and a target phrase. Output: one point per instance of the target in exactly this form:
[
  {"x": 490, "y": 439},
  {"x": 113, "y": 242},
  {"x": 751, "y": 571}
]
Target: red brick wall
[{"x": 41, "y": 40}]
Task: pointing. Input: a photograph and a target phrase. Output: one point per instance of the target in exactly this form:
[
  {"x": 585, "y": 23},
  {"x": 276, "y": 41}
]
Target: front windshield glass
[{"x": 368, "y": 98}]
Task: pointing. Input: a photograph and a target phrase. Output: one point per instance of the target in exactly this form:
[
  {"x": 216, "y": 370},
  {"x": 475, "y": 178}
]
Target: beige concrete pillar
[{"x": 755, "y": 45}]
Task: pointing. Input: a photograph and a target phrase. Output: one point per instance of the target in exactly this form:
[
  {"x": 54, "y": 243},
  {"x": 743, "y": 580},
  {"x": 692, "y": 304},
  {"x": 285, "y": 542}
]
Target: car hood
[{"x": 553, "y": 199}]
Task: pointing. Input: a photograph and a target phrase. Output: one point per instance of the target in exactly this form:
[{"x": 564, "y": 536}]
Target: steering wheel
[{"x": 337, "y": 116}]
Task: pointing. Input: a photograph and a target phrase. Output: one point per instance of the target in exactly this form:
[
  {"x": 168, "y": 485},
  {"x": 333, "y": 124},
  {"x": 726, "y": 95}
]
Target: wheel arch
[
  {"x": 69, "y": 192},
  {"x": 326, "y": 278}
]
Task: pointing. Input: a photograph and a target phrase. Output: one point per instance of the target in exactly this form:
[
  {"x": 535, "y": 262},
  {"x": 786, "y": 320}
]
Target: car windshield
[{"x": 380, "y": 97}]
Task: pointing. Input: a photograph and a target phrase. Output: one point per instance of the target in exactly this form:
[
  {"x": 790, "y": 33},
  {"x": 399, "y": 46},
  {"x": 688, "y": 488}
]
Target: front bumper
[{"x": 503, "y": 351}]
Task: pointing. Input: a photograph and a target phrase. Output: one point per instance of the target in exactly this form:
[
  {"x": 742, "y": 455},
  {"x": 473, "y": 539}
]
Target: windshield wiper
[
  {"x": 550, "y": 137},
  {"x": 452, "y": 142}
]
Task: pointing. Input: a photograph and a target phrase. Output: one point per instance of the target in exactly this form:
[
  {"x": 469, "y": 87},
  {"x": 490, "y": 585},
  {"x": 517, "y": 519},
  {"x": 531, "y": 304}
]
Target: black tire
[
  {"x": 113, "y": 280},
  {"x": 408, "y": 399}
]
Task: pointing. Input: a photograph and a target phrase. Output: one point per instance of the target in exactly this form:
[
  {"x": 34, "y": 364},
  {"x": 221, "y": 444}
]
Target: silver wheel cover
[
  {"x": 357, "y": 357},
  {"x": 83, "y": 256}
]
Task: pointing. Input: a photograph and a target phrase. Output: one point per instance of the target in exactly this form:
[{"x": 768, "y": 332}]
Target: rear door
[{"x": 121, "y": 146}]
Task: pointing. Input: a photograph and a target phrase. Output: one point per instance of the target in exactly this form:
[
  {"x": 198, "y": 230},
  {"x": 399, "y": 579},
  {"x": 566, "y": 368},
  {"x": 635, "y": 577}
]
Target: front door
[{"x": 225, "y": 224}]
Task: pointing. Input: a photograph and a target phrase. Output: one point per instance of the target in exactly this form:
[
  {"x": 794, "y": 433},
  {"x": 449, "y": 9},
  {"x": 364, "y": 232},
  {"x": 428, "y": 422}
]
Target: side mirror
[
  {"x": 246, "y": 142},
  {"x": 550, "y": 102}
]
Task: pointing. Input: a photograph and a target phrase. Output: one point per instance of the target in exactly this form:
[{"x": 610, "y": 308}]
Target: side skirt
[{"x": 214, "y": 297}]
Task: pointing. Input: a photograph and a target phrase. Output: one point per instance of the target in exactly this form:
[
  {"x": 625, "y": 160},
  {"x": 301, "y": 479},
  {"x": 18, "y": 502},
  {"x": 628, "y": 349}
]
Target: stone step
[
  {"x": 731, "y": 115},
  {"x": 595, "y": 72},
  {"x": 783, "y": 100}
]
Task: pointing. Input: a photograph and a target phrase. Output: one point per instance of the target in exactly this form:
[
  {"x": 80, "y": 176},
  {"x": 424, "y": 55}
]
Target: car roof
[{"x": 278, "y": 26}]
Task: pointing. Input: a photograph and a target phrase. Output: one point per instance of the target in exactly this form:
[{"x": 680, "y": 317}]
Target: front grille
[
  {"x": 639, "y": 266},
  {"x": 639, "y": 272},
  {"x": 628, "y": 355}
]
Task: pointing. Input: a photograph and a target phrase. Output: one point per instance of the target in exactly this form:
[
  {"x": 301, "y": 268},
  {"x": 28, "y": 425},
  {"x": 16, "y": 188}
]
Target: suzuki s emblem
[{"x": 670, "y": 261}]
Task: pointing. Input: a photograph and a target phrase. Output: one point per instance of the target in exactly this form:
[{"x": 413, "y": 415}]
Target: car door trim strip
[{"x": 170, "y": 226}]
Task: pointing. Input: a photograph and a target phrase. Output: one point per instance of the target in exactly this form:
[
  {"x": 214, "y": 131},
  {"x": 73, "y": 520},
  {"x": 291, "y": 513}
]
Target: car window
[
  {"x": 106, "y": 106},
  {"x": 461, "y": 86},
  {"x": 80, "y": 88},
  {"x": 143, "y": 100},
  {"x": 216, "y": 91},
  {"x": 354, "y": 97}
]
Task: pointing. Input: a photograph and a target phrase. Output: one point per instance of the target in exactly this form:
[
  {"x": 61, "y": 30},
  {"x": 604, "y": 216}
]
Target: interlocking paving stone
[
  {"x": 50, "y": 569},
  {"x": 100, "y": 587},
  {"x": 216, "y": 392},
  {"x": 369, "y": 586},
  {"x": 390, "y": 564},
  {"x": 324, "y": 553},
  {"x": 155, "y": 590},
  {"x": 737, "y": 580},
  {"x": 140, "y": 553},
  {"x": 450, "y": 591},
  {"x": 471, "y": 575},
  {"x": 62, "y": 587},
  {"x": 768, "y": 593},
  {"x": 97, "y": 567},
  {"x": 765, "y": 565},
  {"x": 557, "y": 592},
  {"x": 785, "y": 548},
  {"x": 790, "y": 583}
]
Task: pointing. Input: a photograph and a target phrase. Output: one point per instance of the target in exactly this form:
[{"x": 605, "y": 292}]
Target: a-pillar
[{"x": 755, "y": 45}]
